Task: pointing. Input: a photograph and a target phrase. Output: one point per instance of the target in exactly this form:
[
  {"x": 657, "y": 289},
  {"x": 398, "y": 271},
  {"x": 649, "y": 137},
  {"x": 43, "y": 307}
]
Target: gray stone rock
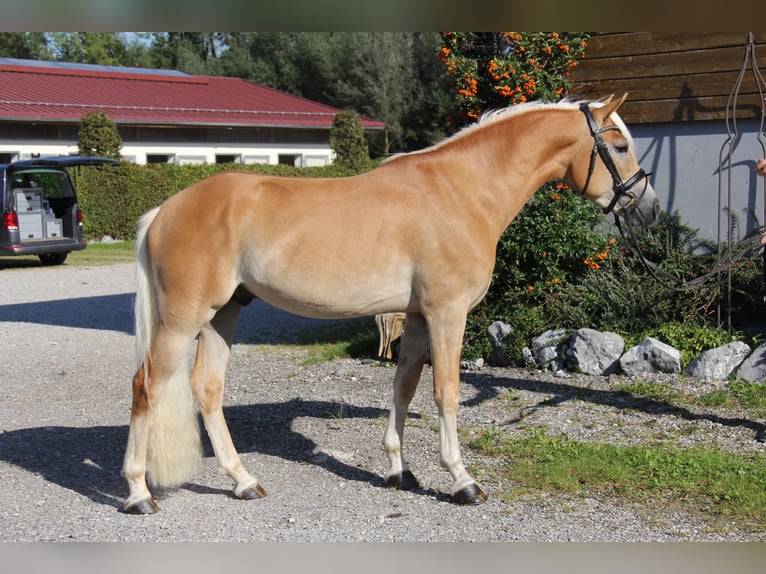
[
  {"x": 529, "y": 357},
  {"x": 497, "y": 332},
  {"x": 651, "y": 356},
  {"x": 717, "y": 364},
  {"x": 594, "y": 352},
  {"x": 753, "y": 368},
  {"x": 548, "y": 349}
]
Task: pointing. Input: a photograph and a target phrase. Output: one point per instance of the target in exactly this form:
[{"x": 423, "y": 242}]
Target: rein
[
  {"x": 621, "y": 188},
  {"x": 675, "y": 283}
]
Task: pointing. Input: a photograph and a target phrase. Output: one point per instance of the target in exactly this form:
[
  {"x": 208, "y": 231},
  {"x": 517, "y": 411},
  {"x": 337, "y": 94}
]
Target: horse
[{"x": 417, "y": 234}]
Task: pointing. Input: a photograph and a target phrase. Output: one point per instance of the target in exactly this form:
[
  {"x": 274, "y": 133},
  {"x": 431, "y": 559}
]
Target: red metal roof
[{"x": 40, "y": 91}]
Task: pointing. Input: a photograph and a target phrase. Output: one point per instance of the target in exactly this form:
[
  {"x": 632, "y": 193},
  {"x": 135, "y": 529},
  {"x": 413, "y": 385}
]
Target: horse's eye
[{"x": 621, "y": 148}]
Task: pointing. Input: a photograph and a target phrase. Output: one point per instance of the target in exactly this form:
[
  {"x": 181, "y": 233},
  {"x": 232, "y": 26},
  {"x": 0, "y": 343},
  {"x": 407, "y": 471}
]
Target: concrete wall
[{"x": 684, "y": 158}]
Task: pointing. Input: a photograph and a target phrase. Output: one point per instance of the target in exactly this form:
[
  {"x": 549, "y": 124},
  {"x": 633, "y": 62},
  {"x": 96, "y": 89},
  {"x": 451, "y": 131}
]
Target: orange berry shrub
[
  {"x": 491, "y": 70},
  {"x": 553, "y": 241}
]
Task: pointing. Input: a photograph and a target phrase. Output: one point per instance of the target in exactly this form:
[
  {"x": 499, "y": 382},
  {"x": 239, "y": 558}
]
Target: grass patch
[
  {"x": 96, "y": 254},
  {"x": 357, "y": 338},
  {"x": 648, "y": 390},
  {"x": 720, "y": 483},
  {"x": 740, "y": 394}
]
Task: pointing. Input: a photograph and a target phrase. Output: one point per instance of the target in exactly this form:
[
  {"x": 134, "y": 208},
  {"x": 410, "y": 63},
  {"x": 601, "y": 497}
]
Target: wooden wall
[{"x": 672, "y": 76}]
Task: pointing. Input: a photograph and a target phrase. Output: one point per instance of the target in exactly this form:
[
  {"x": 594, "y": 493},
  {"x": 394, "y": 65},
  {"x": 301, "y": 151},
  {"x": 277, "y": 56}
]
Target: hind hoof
[
  {"x": 404, "y": 481},
  {"x": 471, "y": 494},
  {"x": 252, "y": 493},
  {"x": 145, "y": 506}
]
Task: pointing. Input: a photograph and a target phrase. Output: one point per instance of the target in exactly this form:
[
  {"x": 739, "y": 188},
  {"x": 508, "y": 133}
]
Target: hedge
[{"x": 113, "y": 198}]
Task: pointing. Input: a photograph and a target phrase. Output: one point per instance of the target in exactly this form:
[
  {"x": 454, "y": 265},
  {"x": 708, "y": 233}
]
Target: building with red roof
[{"x": 162, "y": 115}]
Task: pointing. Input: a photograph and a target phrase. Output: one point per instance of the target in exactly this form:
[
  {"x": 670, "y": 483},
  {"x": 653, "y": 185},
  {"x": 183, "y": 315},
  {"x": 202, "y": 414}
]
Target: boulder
[
  {"x": 651, "y": 356},
  {"x": 594, "y": 352},
  {"x": 717, "y": 364},
  {"x": 753, "y": 368},
  {"x": 548, "y": 349},
  {"x": 497, "y": 332}
]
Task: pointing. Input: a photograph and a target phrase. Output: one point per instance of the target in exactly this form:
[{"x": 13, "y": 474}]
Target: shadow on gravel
[
  {"x": 89, "y": 460},
  {"x": 258, "y": 323},
  {"x": 105, "y": 312},
  {"x": 487, "y": 385}
]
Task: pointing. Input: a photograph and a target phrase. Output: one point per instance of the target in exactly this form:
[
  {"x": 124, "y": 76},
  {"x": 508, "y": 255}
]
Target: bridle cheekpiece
[{"x": 619, "y": 187}]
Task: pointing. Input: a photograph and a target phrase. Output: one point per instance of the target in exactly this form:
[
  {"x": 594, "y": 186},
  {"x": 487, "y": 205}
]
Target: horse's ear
[{"x": 610, "y": 105}]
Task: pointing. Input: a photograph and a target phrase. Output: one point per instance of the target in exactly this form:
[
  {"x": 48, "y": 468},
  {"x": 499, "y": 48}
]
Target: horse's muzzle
[{"x": 641, "y": 213}]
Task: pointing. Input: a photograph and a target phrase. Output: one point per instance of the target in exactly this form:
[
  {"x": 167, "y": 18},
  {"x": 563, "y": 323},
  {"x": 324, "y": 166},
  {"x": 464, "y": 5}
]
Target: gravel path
[{"x": 312, "y": 434}]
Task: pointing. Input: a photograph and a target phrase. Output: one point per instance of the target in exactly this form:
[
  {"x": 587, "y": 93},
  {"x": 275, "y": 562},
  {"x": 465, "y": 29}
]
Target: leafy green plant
[{"x": 692, "y": 339}]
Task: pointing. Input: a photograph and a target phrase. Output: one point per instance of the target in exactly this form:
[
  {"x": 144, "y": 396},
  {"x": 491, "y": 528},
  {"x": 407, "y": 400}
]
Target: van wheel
[{"x": 52, "y": 258}]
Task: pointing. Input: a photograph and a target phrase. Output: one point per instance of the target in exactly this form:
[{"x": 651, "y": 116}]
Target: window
[
  {"x": 159, "y": 158},
  {"x": 293, "y": 159}
]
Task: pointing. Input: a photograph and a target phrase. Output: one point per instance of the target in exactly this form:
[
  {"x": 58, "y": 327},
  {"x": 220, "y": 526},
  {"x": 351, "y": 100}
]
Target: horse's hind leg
[
  {"x": 168, "y": 351},
  {"x": 213, "y": 352},
  {"x": 411, "y": 358}
]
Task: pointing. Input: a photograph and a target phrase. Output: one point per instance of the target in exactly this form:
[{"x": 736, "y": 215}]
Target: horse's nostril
[{"x": 656, "y": 208}]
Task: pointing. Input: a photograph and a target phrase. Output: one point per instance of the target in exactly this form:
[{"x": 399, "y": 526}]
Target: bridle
[
  {"x": 600, "y": 149},
  {"x": 621, "y": 188}
]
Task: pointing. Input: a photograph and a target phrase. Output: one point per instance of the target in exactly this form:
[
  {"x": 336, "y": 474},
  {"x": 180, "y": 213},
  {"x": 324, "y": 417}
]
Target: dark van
[{"x": 40, "y": 211}]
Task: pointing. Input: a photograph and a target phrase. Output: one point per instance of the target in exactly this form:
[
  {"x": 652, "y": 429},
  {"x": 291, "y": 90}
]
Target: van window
[{"x": 54, "y": 183}]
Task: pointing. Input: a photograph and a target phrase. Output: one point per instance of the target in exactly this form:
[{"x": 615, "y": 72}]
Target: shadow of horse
[
  {"x": 103, "y": 312},
  {"x": 487, "y": 388},
  {"x": 258, "y": 323},
  {"x": 88, "y": 460}
]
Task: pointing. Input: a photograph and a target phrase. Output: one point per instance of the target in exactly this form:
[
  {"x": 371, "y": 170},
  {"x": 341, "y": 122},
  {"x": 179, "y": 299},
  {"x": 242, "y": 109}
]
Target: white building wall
[
  {"x": 685, "y": 158},
  {"x": 302, "y": 155}
]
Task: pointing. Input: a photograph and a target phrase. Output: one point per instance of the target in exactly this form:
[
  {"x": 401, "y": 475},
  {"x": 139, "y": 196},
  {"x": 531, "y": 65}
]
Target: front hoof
[
  {"x": 145, "y": 506},
  {"x": 252, "y": 493},
  {"x": 471, "y": 494},
  {"x": 404, "y": 481}
]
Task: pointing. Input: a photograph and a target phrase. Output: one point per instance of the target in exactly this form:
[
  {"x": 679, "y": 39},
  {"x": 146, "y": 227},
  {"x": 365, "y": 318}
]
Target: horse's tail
[{"x": 175, "y": 452}]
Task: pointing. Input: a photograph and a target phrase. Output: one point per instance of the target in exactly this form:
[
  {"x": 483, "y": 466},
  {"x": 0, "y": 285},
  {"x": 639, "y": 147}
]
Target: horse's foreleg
[
  {"x": 411, "y": 358},
  {"x": 213, "y": 351},
  {"x": 446, "y": 335}
]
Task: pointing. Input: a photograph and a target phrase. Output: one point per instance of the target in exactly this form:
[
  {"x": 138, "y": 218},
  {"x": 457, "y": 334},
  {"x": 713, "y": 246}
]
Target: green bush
[
  {"x": 555, "y": 271},
  {"x": 98, "y": 136},
  {"x": 113, "y": 198},
  {"x": 348, "y": 142},
  {"x": 549, "y": 245}
]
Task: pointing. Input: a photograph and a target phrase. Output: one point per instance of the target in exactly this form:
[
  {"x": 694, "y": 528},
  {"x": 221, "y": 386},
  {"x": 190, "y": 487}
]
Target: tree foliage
[
  {"x": 98, "y": 136},
  {"x": 347, "y": 141},
  {"x": 26, "y": 45}
]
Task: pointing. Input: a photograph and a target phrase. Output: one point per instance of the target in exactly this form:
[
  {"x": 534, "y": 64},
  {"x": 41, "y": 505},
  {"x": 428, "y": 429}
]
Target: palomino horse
[{"x": 416, "y": 235}]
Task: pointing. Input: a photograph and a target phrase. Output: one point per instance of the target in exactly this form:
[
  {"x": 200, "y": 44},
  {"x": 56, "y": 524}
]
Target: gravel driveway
[{"x": 312, "y": 435}]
